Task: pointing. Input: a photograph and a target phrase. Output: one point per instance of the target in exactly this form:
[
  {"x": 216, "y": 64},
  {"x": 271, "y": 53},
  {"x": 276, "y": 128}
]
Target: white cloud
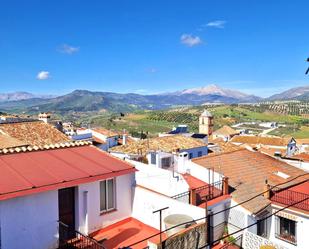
[
  {"x": 190, "y": 40},
  {"x": 216, "y": 24},
  {"x": 67, "y": 49},
  {"x": 43, "y": 75}
]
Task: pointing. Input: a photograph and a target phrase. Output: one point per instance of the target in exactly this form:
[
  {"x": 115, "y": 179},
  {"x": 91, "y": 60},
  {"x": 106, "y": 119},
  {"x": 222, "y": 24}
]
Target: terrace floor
[{"x": 125, "y": 233}]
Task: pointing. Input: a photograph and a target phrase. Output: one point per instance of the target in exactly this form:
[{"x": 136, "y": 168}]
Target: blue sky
[{"x": 257, "y": 46}]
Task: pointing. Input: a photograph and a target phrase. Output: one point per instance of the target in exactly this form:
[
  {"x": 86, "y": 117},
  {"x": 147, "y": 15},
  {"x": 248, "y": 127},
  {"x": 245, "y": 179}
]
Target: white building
[
  {"x": 79, "y": 186},
  {"x": 162, "y": 152},
  {"x": 247, "y": 172}
]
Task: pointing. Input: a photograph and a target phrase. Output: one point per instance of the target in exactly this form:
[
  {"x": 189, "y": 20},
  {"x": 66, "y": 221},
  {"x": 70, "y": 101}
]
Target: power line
[
  {"x": 226, "y": 209},
  {"x": 253, "y": 224}
]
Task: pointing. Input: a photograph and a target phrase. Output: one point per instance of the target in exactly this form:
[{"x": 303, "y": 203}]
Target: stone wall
[{"x": 193, "y": 237}]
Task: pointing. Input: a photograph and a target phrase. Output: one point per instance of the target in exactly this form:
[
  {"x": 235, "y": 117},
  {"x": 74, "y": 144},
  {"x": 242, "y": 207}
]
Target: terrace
[{"x": 298, "y": 196}]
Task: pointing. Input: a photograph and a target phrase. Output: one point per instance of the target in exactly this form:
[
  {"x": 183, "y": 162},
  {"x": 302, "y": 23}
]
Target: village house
[
  {"x": 280, "y": 146},
  {"x": 33, "y": 133},
  {"x": 249, "y": 174},
  {"x": 290, "y": 226},
  {"x": 163, "y": 152},
  {"x": 225, "y": 133},
  {"x": 66, "y": 191}
]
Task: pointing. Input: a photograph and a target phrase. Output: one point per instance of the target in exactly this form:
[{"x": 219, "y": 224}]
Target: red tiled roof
[
  {"x": 32, "y": 172},
  {"x": 247, "y": 172},
  {"x": 193, "y": 182},
  {"x": 303, "y": 157},
  {"x": 125, "y": 233},
  {"x": 105, "y": 132},
  {"x": 35, "y": 133},
  {"x": 273, "y": 141}
]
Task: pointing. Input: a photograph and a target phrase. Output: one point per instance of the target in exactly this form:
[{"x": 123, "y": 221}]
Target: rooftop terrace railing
[
  {"x": 202, "y": 194},
  {"x": 288, "y": 197},
  {"x": 72, "y": 239}
]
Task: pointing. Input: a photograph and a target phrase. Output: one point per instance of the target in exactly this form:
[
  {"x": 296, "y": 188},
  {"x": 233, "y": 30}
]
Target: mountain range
[{"x": 83, "y": 100}]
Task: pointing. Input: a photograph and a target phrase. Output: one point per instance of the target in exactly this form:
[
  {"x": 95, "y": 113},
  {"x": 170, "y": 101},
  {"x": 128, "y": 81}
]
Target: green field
[{"x": 154, "y": 122}]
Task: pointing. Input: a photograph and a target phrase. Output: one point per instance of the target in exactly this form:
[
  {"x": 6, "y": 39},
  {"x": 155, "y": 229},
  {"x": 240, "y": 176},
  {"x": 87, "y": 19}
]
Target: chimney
[
  {"x": 124, "y": 137},
  {"x": 45, "y": 117},
  {"x": 266, "y": 190},
  {"x": 225, "y": 187}
]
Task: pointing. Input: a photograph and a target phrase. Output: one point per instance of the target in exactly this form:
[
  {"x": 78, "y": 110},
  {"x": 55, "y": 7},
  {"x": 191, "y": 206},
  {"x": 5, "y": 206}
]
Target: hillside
[
  {"x": 296, "y": 93},
  {"x": 83, "y": 100}
]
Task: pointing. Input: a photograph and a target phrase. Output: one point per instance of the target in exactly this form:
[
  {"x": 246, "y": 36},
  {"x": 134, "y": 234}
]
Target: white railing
[{"x": 253, "y": 241}]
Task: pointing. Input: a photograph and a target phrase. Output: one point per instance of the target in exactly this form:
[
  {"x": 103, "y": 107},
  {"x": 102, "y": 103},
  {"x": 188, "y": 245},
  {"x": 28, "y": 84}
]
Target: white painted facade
[
  {"x": 146, "y": 201},
  {"x": 31, "y": 221},
  {"x": 302, "y": 228},
  {"x": 160, "y": 180}
]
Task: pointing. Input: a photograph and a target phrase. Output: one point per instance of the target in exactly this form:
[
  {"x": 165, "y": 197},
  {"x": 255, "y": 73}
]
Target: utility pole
[{"x": 160, "y": 213}]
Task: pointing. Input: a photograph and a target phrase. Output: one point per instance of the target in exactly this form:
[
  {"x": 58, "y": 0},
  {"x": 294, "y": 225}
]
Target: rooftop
[
  {"x": 9, "y": 142},
  {"x": 247, "y": 172},
  {"x": 297, "y": 195},
  {"x": 167, "y": 144},
  {"x": 35, "y": 133},
  {"x": 248, "y": 139},
  {"x": 303, "y": 157},
  {"x": 226, "y": 131},
  {"x": 105, "y": 132},
  {"x": 26, "y": 173},
  {"x": 126, "y": 232}
]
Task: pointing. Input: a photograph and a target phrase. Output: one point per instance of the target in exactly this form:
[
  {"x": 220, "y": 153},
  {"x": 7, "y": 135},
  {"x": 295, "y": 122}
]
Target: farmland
[{"x": 154, "y": 122}]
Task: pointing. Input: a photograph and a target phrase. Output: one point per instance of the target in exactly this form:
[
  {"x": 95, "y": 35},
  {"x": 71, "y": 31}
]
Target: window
[
  {"x": 166, "y": 162},
  {"x": 153, "y": 158},
  {"x": 286, "y": 229},
  {"x": 190, "y": 155},
  {"x": 199, "y": 154},
  {"x": 262, "y": 228},
  {"x": 107, "y": 195}
]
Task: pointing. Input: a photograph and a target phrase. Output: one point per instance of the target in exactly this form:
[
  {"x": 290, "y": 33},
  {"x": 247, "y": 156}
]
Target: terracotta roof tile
[
  {"x": 166, "y": 144},
  {"x": 105, "y": 132},
  {"x": 274, "y": 141},
  {"x": 226, "y": 131},
  {"x": 33, "y": 133},
  {"x": 9, "y": 142},
  {"x": 247, "y": 172}
]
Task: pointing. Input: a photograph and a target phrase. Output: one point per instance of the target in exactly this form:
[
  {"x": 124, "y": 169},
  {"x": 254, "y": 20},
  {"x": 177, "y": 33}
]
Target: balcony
[
  {"x": 200, "y": 195},
  {"x": 290, "y": 197}
]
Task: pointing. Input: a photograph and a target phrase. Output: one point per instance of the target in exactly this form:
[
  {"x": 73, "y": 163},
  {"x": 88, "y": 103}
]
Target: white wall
[
  {"x": 201, "y": 172},
  {"x": 160, "y": 180},
  {"x": 145, "y": 202},
  {"x": 302, "y": 228},
  {"x": 30, "y": 221},
  {"x": 89, "y": 218}
]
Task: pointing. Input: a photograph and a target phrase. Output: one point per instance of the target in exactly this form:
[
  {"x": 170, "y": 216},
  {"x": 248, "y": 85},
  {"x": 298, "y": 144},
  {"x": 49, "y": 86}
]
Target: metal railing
[
  {"x": 72, "y": 239},
  {"x": 208, "y": 192},
  {"x": 288, "y": 197},
  {"x": 203, "y": 194},
  {"x": 183, "y": 197}
]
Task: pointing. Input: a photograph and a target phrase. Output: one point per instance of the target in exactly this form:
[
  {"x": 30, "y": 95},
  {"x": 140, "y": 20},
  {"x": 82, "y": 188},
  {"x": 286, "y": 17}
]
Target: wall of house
[
  {"x": 201, "y": 172},
  {"x": 29, "y": 221},
  {"x": 302, "y": 228},
  {"x": 195, "y": 151},
  {"x": 159, "y": 156},
  {"x": 238, "y": 218},
  {"x": 89, "y": 218},
  {"x": 161, "y": 180},
  {"x": 146, "y": 201}
]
